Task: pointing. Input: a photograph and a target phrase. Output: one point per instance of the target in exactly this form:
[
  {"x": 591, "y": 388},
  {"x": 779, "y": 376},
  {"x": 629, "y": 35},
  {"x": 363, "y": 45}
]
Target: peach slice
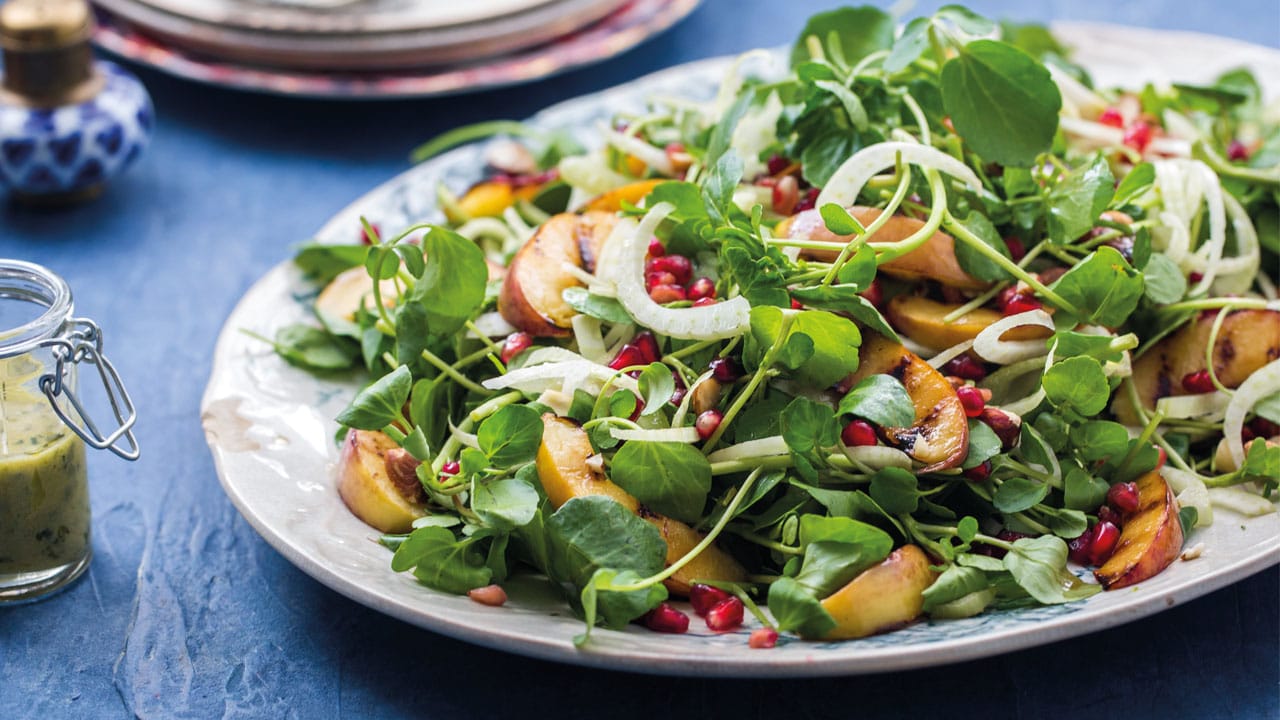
[
  {"x": 564, "y": 474},
  {"x": 1150, "y": 540},
  {"x": 632, "y": 193},
  {"x": 934, "y": 260},
  {"x": 939, "y": 437},
  {"x": 882, "y": 598},
  {"x": 349, "y": 291},
  {"x": 366, "y": 487},
  {"x": 921, "y": 319}
]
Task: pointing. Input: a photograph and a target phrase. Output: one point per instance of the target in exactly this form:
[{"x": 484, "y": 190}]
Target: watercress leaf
[
  {"x": 1122, "y": 468},
  {"x": 1138, "y": 181},
  {"x": 657, "y": 385},
  {"x": 415, "y": 443},
  {"x": 1083, "y": 491},
  {"x": 839, "y": 221},
  {"x": 411, "y": 254},
  {"x": 864, "y": 312},
  {"x": 471, "y": 462},
  {"x": 1077, "y": 383},
  {"x": 685, "y": 197},
  {"x": 511, "y": 436},
  {"x": 381, "y": 262},
  {"x": 412, "y": 337},
  {"x": 1039, "y": 564},
  {"x": 974, "y": 262},
  {"x": 1099, "y": 439},
  {"x": 967, "y": 528},
  {"x": 453, "y": 280},
  {"x": 1103, "y": 287},
  {"x": 441, "y": 561},
  {"x": 882, "y": 399},
  {"x": 1078, "y": 344},
  {"x": 1141, "y": 252},
  {"x": 717, "y": 190},
  {"x": 596, "y": 306},
  {"x": 985, "y": 563},
  {"x": 909, "y": 46},
  {"x": 617, "y": 608},
  {"x": 796, "y": 351},
  {"x": 849, "y": 101},
  {"x": 379, "y": 404},
  {"x": 984, "y": 444},
  {"x": 668, "y": 477},
  {"x": 797, "y": 609},
  {"x": 1074, "y": 204},
  {"x": 759, "y": 276},
  {"x": 829, "y": 565},
  {"x": 954, "y": 583},
  {"x": 895, "y": 490},
  {"x": 1017, "y": 494},
  {"x": 835, "y": 342},
  {"x": 1163, "y": 281},
  {"x": 860, "y": 31},
  {"x": 821, "y": 157},
  {"x": 860, "y": 269},
  {"x": 1064, "y": 522},
  {"x": 312, "y": 348},
  {"x": 809, "y": 426},
  {"x": 323, "y": 263},
  {"x": 582, "y": 406},
  {"x": 505, "y": 504},
  {"x": 589, "y": 533},
  {"x": 1188, "y": 517},
  {"x": 854, "y": 504},
  {"x": 623, "y": 403},
  {"x": 428, "y": 397},
  {"x": 1002, "y": 102},
  {"x": 819, "y": 528},
  {"x": 722, "y": 133}
]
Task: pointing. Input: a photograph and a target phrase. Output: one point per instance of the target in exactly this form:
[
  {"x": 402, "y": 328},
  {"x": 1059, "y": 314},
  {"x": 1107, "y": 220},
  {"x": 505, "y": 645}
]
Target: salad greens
[{"x": 923, "y": 288}]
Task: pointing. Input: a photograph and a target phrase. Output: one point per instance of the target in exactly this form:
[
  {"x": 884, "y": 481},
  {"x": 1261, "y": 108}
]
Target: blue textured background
[{"x": 187, "y": 613}]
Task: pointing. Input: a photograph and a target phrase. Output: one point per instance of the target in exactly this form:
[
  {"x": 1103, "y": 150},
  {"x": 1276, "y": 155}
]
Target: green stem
[
  {"x": 453, "y": 444},
  {"x": 756, "y": 379},
  {"x": 1009, "y": 266},
  {"x": 493, "y": 347},
  {"x": 453, "y": 374},
  {"x": 1214, "y": 303},
  {"x": 886, "y": 252},
  {"x": 764, "y": 542}
]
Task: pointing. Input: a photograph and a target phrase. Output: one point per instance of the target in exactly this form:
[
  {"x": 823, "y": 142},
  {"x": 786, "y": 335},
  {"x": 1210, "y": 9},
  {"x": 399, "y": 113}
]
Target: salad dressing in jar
[{"x": 44, "y": 492}]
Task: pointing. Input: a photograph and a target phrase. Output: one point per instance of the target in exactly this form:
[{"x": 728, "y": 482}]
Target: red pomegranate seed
[
  {"x": 1017, "y": 250},
  {"x": 449, "y": 470},
  {"x": 1237, "y": 151},
  {"x": 647, "y": 344},
  {"x": 703, "y": 302},
  {"x": 1105, "y": 537},
  {"x": 656, "y": 248},
  {"x": 971, "y": 399},
  {"x": 515, "y": 344},
  {"x": 677, "y": 265},
  {"x": 663, "y": 294},
  {"x": 1021, "y": 304},
  {"x": 654, "y": 279},
  {"x": 766, "y": 181},
  {"x": 1263, "y": 427},
  {"x": 628, "y": 356},
  {"x": 979, "y": 473},
  {"x": 704, "y": 597},
  {"x": 858, "y": 433},
  {"x": 1163, "y": 457},
  {"x": 1123, "y": 497},
  {"x": 1195, "y": 277},
  {"x": 1138, "y": 135},
  {"x": 666, "y": 619},
  {"x": 809, "y": 200},
  {"x": 874, "y": 294},
  {"x": 1108, "y": 514},
  {"x": 366, "y": 238},
  {"x": 786, "y": 193},
  {"x": 702, "y": 288},
  {"x": 1111, "y": 116},
  {"x": 762, "y": 638},
  {"x": 964, "y": 366},
  {"x": 491, "y": 595},
  {"x": 725, "y": 369},
  {"x": 677, "y": 395},
  {"x": 1198, "y": 382},
  {"x": 1078, "y": 549},
  {"x": 726, "y": 615},
  {"x": 796, "y": 304},
  {"x": 1246, "y": 435},
  {"x": 777, "y": 163},
  {"x": 707, "y": 423}
]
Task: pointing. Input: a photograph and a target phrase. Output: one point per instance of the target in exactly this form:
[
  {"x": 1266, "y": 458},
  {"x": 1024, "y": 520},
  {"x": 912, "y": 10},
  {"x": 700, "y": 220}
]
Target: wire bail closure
[{"x": 83, "y": 344}]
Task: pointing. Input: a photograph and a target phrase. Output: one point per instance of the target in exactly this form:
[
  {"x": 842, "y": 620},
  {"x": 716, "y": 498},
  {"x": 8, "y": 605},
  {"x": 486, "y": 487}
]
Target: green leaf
[
  {"x": 967, "y": 529},
  {"x": 1075, "y": 203},
  {"x": 1002, "y": 102},
  {"x": 1039, "y": 567},
  {"x": 596, "y": 306},
  {"x": 986, "y": 563},
  {"x": 412, "y": 337},
  {"x": 860, "y": 32},
  {"x": 909, "y": 46},
  {"x": 974, "y": 262},
  {"x": 717, "y": 190},
  {"x": 1077, "y": 383},
  {"x": 954, "y": 583},
  {"x": 505, "y": 504},
  {"x": 314, "y": 349},
  {"x": 1017, "y": 494},
  {"x": 1078, "y": 344},
  {"x": 657, "y": 385},
  {"x": 895, "y": 490},
  {"x": 379, "y": 404},
  {"x": 797, "y": 609},
  {"x": 428, "y": 397},
  {"x": 381, "y": 262},
  {"x": 1138, "y": 181},
  {"x": 323, "y": 263},
  {"x": 1063, "y": 522},
  {"x": 511, "y": 436},
  {"x": 453, "y": 280},
  {"x": 616, "y": 608},
  {"x": 1099, "y": 439},
  {"x": 839, "y": 221},
  {"x": 809, "y": 426},
  {"x": 1268, "y": 407},
  {"x": 589, "y": 533},
  {"x": 441, "y": 561},
  {"x": 1103, "y": 287},
  {"x": 984, "y": 444},
  {"x": 882, "y": 399},
  {"x": 835, "y": 343},
  {"x": 1163, "y": 281},
  {"x": 668, "y": 477}
]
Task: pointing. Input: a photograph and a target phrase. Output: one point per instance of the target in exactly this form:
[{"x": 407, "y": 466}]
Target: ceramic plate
[
  {"x": 270, "y": 429},
  {"x": 621, "y": 30}
]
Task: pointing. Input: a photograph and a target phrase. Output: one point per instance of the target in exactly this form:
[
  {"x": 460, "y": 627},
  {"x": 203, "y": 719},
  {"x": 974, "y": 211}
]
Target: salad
[{"x": 922, "y": 324}]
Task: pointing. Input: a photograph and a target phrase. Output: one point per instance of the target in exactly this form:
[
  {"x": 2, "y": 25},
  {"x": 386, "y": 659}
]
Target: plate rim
[{"x": 1011, "y": 638}]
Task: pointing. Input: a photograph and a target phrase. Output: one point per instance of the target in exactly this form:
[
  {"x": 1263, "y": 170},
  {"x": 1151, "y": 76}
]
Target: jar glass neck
[{"x": 22, "y": 283}]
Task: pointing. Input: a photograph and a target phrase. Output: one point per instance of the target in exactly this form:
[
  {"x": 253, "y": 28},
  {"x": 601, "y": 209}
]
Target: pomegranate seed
[
  {"x": 707, "y": 423},
  {"x": 1163, "y": 457},
  {"x": 1021, "y": 304},
  {"x": 1005, "y": 297},
  {"x": 1111, "y": 116},
  {"x": 704, "y": 597},
  {"x": 656, "y": 248},
  {"x": 1006, "y": 426},
  {"x": 703, "y": 302},
  {"x": 647, "y": 344},
  {"x": 1008, "y": 535},
  {"x": 971, "y": 399},
  {"x": 786, "y": 194},
  {"x": 964, "y": 366},
  {"x": 654, "y": 279},
  {"x": 1198, "y": 382},
  {"x": 678, "y": 394},
  {"x": 725, "y": 369},
  {"x": 1107, "y": 514},
  {"x": 766, "y": 181},
  {"x": 1246, "y": 435},
  {"x": 628, "y": 356},
  {"x": 762, "y": 638},
  {"x": 1017, "y": 250},
  {"x": 515, "y": 344},
  {"x": 666, "y": 619},
  {"x": 858, "y": 433},
  {"x": 809, "y": 201},
  {"x": 950, "y": 126},
  {"x": 663, "y": 294},
  {"x": 449, "y": 470},
  {"x": 702, "y": 288},
  {"x": 1138, "y": 135},
  {"x": 677, "y": 265},
  {"x": 1195, "y": 277},
  {"x": 1237, "y": 151},
  {"x": 874, "y": 294},
  {"x": 1263, "y": 427},
  {"x": 796, "y": 304},
  {"x": 491, "y": 595},
  {"x": 1078, "y": 549},
  {"x": 635, "y": 414},
  {"x": 726, "y": 615},
  {"x": 1105, "y": 537},
  {"x": 979, "y": 473},
  {"x": 777, "y": 164},
  {"x": 366, "y": 238},
  {"x": 1123, "y": 497}
]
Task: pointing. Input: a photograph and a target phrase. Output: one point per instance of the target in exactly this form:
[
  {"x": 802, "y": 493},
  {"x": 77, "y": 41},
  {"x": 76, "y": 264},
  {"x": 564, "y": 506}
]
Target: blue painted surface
[{"x": 187, "y": 613}]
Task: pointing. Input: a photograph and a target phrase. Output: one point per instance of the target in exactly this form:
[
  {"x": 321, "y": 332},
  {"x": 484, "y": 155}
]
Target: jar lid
[{"x": 34, "y": 25}]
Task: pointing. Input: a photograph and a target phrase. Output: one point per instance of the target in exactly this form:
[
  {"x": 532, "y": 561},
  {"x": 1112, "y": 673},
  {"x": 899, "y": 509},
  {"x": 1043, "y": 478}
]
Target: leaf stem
[
  {"x": 960, "y": 231},
  {"x": 743, "y": 397},
  {"x": 453, "y": 373}
]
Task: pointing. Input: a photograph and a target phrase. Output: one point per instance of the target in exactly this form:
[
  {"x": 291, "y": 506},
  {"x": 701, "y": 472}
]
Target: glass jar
[{"x": 44, "y": 493}]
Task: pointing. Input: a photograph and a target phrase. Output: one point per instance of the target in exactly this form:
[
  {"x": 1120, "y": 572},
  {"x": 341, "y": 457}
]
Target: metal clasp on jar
[{"x": 82, "y": 343}]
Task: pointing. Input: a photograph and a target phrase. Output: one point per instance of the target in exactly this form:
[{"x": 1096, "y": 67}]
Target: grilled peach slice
[
  {"x": 939, "y": 437},
  {"x": 632, "y": 193},
  {"x": 934, "y": 260},
  {"x": 882, "y": 598},
  {"x": 346, "y": 293},
  {"x": 530, "y": 298},
  {"x": 921, "y": 319},
  {"x": 1150, "y": 540},
  {"x": 564, "y": 474},
  {"x": 367, "y": 488}
]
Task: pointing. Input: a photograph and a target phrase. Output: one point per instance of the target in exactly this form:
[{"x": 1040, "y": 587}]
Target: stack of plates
[{"x": 353, "y": 47}]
